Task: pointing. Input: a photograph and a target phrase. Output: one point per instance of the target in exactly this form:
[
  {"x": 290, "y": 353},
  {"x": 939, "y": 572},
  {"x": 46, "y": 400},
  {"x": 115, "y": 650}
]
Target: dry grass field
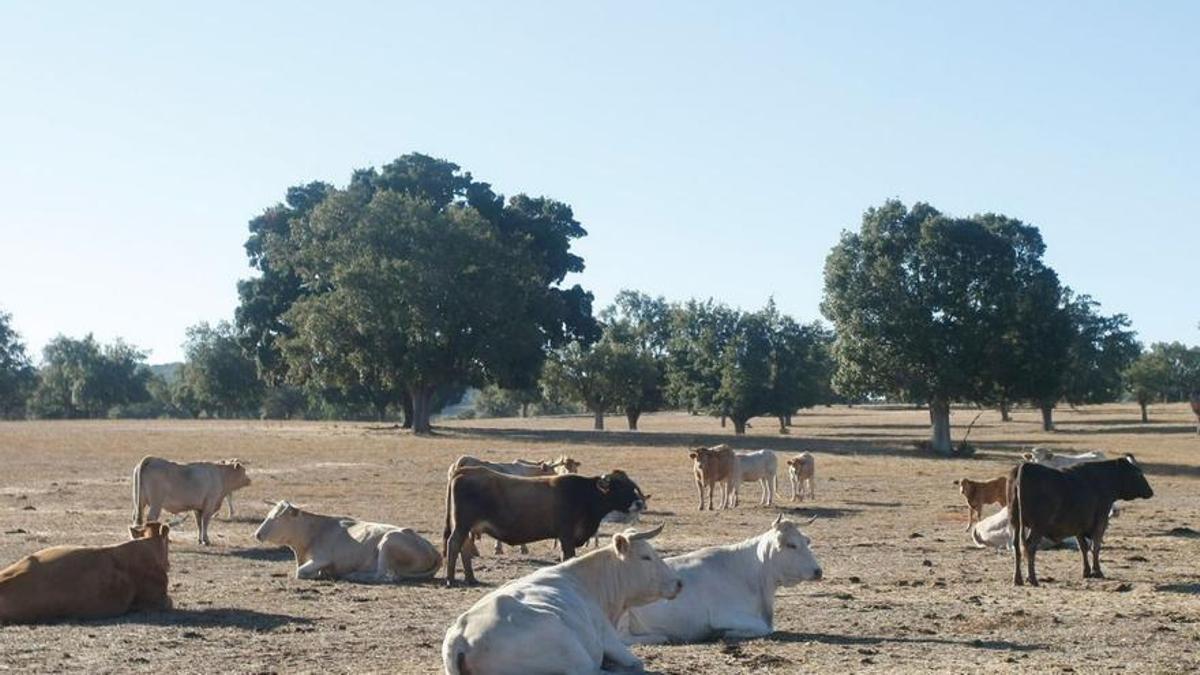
[{"x": 904, "y": 588}]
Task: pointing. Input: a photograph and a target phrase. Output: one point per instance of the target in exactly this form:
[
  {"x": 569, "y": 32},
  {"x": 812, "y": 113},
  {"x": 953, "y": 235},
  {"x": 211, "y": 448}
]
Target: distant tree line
[{"x": 390, "y": 296}]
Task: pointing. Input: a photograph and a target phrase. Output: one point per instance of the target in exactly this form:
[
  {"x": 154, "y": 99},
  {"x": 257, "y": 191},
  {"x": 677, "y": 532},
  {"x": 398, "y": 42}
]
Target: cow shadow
[
  {"x": 819, "y": 512},
  {"x": 281, "y": 554},
  {"x": 851, "y": 640},
  {"x": 1190, "y": 589},
  {"x": 1160, "y": 469},
  {"x": 214, "y": 617}
]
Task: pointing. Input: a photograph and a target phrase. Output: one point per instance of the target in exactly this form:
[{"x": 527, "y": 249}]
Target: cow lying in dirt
[
  {"x": 88, "y": 582},
  {"x": 1073, "y": 502},
  {"x": 200, "y": 487},
  {"x": 802, "y": 471},
  {"x": 329, "y": 547},
  {"x": 561, "y": 619},
  {"x": 728, "y": 591},
  {"x": 980, "y": 493}
]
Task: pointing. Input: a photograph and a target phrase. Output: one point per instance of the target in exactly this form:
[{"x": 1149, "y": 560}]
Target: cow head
[
  {"x": 785, "y": 554},
  {"x": 642, "y": 574},
  {"x": 280, "y": 524},
  {"x": 565, "y": 465},
  {"x": 620, "y": 493},
  {"x": 1039, "y": 455},
  {"x": 1131, "y": 482},
  {"x": 233, "y": 473},
  {"x": 157, "y": 532}
]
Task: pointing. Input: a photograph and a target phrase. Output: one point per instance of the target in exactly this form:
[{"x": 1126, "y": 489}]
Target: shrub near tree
[
  {"x": 82, "y": 378},
  {"x": 1148, "y": 378},
  {"x": 18, "y": 378},
  {"x": 218, "y": 377}
]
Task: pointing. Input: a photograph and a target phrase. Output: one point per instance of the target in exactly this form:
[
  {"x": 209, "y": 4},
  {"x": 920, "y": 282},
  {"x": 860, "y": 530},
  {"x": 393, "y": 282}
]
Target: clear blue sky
[{"x": 711, "y": 149}]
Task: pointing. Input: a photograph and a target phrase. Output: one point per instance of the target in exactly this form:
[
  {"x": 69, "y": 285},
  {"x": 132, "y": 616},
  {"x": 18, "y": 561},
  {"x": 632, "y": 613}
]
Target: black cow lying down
[{"x": 1074, "y": 502}]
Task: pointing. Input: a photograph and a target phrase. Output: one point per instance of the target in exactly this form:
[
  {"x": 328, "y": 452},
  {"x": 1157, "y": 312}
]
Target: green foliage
[
  {"x": 1102, "y": 349},
  {"x": 284, "y": 402},
  {"x": 699, "y": 333},
  {"x": 81, "y": 378},
  {"x": 17, "y": 375},
  {"x": 602, "y": 377},
  {"x": 412, "y": 278},
  {"x": 494, "y": 401},
  {"x": 217, "y": 377},
  {"x": 1168, "y": 371}
]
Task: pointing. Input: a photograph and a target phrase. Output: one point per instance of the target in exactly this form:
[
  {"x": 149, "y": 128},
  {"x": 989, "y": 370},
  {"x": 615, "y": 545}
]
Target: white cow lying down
[
  {"x": 996, "y": 532},
  {"x": 329, "y": 547},
  {"x": 728, "y": 591},
  {"x": 561, "y": 619}
]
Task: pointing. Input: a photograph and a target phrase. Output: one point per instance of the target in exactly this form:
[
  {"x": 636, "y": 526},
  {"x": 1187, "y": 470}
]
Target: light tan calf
[
  {"x": 801, "y": 472},
  {"x": 200, "y": 487},
  {"x": 714, "y": 465}
]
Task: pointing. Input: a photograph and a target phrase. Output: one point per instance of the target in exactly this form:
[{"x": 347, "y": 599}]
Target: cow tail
[
  {"x": 1015, "y": 519},
  {"x": 137, "y": 491},
  {"x": 449, "y": 503}
]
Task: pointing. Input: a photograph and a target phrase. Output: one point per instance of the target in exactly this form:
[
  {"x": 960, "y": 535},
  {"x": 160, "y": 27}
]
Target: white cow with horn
[
  {"x": 728, "y": 591},
  {"x": 561, "y": 619}
]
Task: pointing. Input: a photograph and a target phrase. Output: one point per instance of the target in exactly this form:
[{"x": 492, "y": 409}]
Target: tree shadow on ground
[
  {"x": 820, "y": 512},
  {"x": 1161, "y": 469},
  {"x": 682, "y": 441},
  {"x": 1190, "y": 589},
  {"x": 244, "y": 619},
  {"x": 1126, "y": 428},
  {"x": 832, "y": 639}
]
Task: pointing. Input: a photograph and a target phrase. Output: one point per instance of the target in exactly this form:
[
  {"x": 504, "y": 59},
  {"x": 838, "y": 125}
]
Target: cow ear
[
  {"x": 621, "y": 544},
  {"x": 1130, "y": 459},
  {"x": 1028, "y": 456}
]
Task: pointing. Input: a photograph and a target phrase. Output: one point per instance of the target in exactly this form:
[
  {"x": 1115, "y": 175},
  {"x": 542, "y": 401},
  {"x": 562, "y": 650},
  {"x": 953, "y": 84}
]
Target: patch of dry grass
[{"x": 904, "y": 589}]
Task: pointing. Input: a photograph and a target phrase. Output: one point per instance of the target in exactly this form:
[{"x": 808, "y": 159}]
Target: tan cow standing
[
  {"x": 329, "y": 547},
  {"x": 980, "y": 493},
  {"x": 88, "y": 582},
  {"x": 200, "y": 487},
  {"x": 801, "y": 472},
  {"x": 714, "y": 465}
]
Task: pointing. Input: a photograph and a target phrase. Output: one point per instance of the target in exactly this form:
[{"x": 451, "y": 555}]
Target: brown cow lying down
[
  {"x": 1074, "y": 502},
  {"x": 979, "y": 493},
  {"x": 88, "y": 582}
]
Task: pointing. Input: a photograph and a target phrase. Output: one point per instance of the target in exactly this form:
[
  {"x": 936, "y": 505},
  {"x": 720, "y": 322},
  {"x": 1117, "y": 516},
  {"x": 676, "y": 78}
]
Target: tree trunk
[
  {"x": 783, "y": 424},
  {"x": 632, "y": 415},
  {"x": 1145, "y": 418},
  {"x": 422, "y": 397},
  {"x": 406, "y": 403},
  {"x": 787, "y": 420},
  {"x": 598, "y": 420},
  {"x": 1004, "y": 412},
  {"x": 739, "y": 426},
  {"x": 939, "y": 418},
  {"x": 1047, "y": 417},
  {"x": 722, "y": 421},
  {"x": 380, "y": 410},
  {"x": 524, "y": 410}
]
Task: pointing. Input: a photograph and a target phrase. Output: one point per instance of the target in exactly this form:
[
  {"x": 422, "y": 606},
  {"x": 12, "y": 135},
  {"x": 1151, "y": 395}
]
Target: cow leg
[
  {"x": 153, "y": 513},
  {"x": 310, "y": 570},
  {"x": 1097, "y": 536},
  {"x": 454, "y": 549},
  {"x": 229, "y": 503},
  {"x": 498, "y": 549},
  {"x": 617, "y": 652},
  {"x": 524, "y": 549},
  {"x": 1031, "y": 543},
  {"x": 742, "y": 627},
  {"x": 199, "y": 527},
  {"x": 568, "y": 547},
  {"x": 700, "y": 490},
  {"x": 812, "y": 488},
  {"x": 792, "y": 480},
  {"x": 1083, "y": 551},
  {"x": 205, "y": 517}
]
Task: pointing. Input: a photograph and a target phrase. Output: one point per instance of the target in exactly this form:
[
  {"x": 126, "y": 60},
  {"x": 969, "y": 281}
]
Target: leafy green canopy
[{"x": 17, "y": 375}]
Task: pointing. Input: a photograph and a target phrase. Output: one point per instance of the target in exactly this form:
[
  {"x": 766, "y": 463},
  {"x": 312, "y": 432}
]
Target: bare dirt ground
[{"x": 904, "y": 588}]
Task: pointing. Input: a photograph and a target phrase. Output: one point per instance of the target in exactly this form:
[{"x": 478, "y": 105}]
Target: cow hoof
[
  {"x": 1018, "y": 582},
  {"x": 1034, "y": 582},
  {"x": 449, "y": 583}
]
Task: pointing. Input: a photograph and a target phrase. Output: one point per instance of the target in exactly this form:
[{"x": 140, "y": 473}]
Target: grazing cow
[
  {"x": 329, "y": 547},
  {"x": 717, "y": 464},
  {"x": 758, "y": 466},
  {"x": 88, "y": 582},
  {"x": 1073, "y": 502},
  {"x": 519, "y": 467},
  {"x": 561, "y": 619},
  {"x": 801, "y": 472},
  {"x": 1195, "y": 400},
  {"x": 1060, "y": 460},
  {"x": 979, "y": 493},
  {"x": 199, "y": 487},
  {"x": 728, "y": 591},
  {"x": 518, "y": 510}
]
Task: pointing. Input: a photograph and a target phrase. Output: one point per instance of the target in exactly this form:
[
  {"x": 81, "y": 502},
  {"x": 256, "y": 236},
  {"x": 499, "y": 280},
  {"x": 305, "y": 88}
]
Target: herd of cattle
[{"x": 591, "y": 607}]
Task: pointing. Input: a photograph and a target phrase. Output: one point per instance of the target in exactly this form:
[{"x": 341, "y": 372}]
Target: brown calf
[
  {"x": 88, "y": 582},
  {"x": 981, "y": 492},
  {"x": 717, "y": 464}
]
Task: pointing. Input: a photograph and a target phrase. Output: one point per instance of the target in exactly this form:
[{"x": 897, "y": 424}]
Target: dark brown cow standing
[
  {"x": 88, "y": 582},
  {"x": 1074, "y": 502},
  {"x": 519, "y": 510}
]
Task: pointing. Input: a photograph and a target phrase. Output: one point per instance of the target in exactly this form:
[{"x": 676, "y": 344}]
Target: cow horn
[
  {"x": 268, "y": 502},
  {"x": 650, "y": 534},
  {"x": 811, "y": 520},
  {"x": 778, "y": 520}
]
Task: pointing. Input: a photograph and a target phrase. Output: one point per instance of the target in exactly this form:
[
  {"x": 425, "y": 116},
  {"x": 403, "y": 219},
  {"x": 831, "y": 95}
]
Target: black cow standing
[{"x": 1073, "y": 502}]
